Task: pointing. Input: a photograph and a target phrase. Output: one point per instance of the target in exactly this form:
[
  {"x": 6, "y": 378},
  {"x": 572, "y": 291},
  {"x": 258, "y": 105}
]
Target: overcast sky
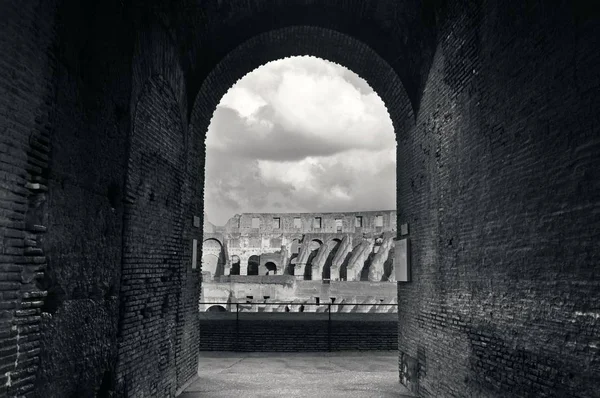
[{"x": 299, "y": 135}]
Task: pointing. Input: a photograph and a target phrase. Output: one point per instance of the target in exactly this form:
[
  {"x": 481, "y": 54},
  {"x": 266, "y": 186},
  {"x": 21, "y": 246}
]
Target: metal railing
[{"x": 293, "y": 309}]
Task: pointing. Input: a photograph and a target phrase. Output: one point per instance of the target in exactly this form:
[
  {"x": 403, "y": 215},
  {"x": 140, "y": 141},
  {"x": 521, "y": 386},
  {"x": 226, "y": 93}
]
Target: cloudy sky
[{"x": 299, "y": 135}]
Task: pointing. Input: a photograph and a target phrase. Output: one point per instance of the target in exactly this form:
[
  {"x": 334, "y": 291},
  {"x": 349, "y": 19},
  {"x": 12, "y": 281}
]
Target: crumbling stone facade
[
  {"x": 302, "y": 244},
  {"x": 494, "y": 105}
]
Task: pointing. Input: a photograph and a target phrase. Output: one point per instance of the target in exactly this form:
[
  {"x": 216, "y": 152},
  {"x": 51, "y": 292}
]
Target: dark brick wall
[
  {"x": 90, "y": 127},
  {"x": 306, "y": 332},
  {"x": 25, "y": 40},
  {"x": 64, "y": 122},
  {"x": 154, "y": 259},
  {"x": 499, "y": 183}
]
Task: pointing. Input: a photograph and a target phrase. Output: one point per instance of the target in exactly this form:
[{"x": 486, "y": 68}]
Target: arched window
[
  {"x": 253, "y": 263},
  {"x": 271, "y": 268}
]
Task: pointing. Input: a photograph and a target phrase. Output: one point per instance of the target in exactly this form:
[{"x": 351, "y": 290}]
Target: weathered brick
[{"x": 495, "y": 109}]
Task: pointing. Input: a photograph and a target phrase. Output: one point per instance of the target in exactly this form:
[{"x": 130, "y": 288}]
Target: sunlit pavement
[{"x": 265, "y": 375}]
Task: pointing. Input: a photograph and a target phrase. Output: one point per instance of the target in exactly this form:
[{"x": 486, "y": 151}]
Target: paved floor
[{"x": 265, "y": 375}]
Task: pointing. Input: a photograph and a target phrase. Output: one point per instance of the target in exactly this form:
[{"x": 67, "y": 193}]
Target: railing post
[
  {"x": 329, "y": 327},
  {"x": 237, "y": 326}
]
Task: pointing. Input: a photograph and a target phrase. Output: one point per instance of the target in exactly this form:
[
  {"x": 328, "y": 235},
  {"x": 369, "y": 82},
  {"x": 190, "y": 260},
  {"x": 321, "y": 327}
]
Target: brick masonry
[
  {"x": 305, "y": 333},
  {"x": 495, "y": 109},
  {"x": 498, "y": 181}
]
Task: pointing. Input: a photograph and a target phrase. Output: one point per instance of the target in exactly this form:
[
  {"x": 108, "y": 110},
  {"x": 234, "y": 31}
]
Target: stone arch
[
  {"x": 292, "y": 41},
  {"x": 332, "y": 245},
  {"x": 313, "y": 246},
  {"x": 253, "y": 264},
  {"x": 295, "y": 246},
  {"x": 235, "y": 265},
  {"x": 271, "y": 268},
  {"x": 287, "y": 42},
  {"x": 216, "y": 308},
  {"x": 213, "y": 258}
]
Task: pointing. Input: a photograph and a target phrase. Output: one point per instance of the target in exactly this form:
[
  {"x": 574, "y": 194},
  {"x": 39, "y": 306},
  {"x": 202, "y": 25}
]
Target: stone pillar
[
  {"x": 299, "y": 270},
  {"x": 316, "y": 273},
  {"x": 244, "y": 265}
]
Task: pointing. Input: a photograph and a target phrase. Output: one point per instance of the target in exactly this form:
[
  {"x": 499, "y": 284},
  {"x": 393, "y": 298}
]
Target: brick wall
[
  {"x": 64, "y": 123},
  {"x": 154, "y": 259},
  {"x": 498, "y": 182},
  {"x": 24, "y": 147},
  {"x": 306, "y": 332}
]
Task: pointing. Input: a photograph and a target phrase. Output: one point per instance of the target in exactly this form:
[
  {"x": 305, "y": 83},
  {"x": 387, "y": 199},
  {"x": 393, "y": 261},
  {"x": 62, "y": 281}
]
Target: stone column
[
  {"x": 316, "y": 273},
  {"x": 244, "y": 264},
  {"x": 299, "y": 270}
]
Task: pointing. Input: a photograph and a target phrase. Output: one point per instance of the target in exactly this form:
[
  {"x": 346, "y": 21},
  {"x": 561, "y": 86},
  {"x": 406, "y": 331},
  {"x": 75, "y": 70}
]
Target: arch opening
[
  {"x": 253, "y": 265},
  {"x": 213, "y": 259},
  {"x": 333, "y": 246},
  {"x": 271, "y": 268},
  {"x": 298, "y": 259},
  {"x": 314, "y": 246},
  {"x": 216, "y": 308}
]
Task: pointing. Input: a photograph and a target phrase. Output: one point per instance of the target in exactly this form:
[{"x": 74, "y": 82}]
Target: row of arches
[
  {"x": 254, "y": 268},
  {"x": 317, "y": 256},
  {"x": 214, "y": 260}
]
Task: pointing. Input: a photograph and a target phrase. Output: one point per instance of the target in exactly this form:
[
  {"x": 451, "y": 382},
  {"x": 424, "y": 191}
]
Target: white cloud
[{"x": 299, "y": 134}]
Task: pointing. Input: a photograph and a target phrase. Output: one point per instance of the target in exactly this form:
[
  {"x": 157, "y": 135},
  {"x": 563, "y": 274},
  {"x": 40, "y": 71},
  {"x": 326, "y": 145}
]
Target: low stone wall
[{"x": 260, "y": 332}]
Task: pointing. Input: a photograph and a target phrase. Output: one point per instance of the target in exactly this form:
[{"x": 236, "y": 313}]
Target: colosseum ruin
[{"x": 309, "y": 260}]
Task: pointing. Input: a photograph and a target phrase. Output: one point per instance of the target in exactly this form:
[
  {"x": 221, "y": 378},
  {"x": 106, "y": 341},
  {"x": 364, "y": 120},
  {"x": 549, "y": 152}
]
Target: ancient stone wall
[
  {"x": 301, "y": 223},
  {"x": 286, "y": 238},
  {"x": 499, "y": 179},
  {"x": 262, "y": 290}
]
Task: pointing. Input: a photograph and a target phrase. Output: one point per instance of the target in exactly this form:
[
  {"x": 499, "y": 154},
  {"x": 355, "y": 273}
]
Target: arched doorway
[
  {"x": 313, "y": 248},
  {"x": 205, "y": 102},
  {"x": 253, "y": 264}
]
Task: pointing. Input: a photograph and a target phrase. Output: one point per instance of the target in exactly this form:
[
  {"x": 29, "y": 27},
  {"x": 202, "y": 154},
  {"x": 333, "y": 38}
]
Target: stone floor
[{"x": 265, "y": 375}]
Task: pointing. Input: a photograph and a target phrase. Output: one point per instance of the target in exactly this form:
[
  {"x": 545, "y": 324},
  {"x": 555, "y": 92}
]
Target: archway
[
  {"x": 253, "y": 264},
  {"x": 369, "y": 66},
  {"x": 213, "y": 259},
  {"x": 313, "y": 248},
  {"x": 294, "y": 251},
  {"x": 333, "y": 246},
  {"x": 216, "y": 308},
  {"x": 235, "y": 265},
  {"x": 271, "y": 268}
]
